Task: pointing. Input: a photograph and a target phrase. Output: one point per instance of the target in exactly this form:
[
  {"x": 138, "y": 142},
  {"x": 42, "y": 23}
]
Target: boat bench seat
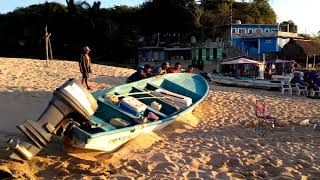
[
  {"x": 152, "y": 86},
  {"x": 188, "y": 97},
  {"x": 182, "y": 91},
  {"x": 156, "y": 112},
  {"x": 160, "y": 100},
  {"x": 106, "y": 126},
  {"x": 102, "y": 100}
]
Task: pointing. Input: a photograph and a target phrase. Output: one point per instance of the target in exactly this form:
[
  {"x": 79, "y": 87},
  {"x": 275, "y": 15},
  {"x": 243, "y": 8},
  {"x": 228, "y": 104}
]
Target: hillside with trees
[
  {"x": 116, "y": 33},
  {"x": 255, "y": 12}
]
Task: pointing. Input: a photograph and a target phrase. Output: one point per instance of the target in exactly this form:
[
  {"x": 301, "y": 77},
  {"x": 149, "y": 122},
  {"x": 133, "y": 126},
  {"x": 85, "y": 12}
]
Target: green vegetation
[
  {"x": 114, "y": 34},
  {"x": 317, "y": 37},
  {"x": 289, "y": 25},
  {"x": 256, "y": 12}
]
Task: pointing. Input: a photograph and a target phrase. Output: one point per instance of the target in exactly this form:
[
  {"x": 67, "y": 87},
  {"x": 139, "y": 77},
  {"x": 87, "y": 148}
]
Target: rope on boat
[{"x": 136, "y": 93}]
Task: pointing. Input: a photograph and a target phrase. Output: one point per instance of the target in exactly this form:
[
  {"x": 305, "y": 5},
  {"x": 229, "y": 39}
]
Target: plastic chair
[
  {"x": 265, "y": 122},
  {"x": 313, "y": 92},
  {"x": 294, "y": 88},
  {"x": 301, "y": 88},
  {"x": 286, "y": 86}
]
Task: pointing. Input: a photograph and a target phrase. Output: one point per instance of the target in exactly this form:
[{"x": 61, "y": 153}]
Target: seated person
[
  {"x": 205, "y": 75},
  {"x": 189, "y": 69},
  {"x": 160, "y": 70},
  {"x": 313, "y": 76},
  {"x": 141, "y": 73},
  {"x": 242, "y": 73},
  {"x": 310, "y": 83},
  {"x": 175, "y": 69},
  {"x": 297, "y": 79},
  {"x": 268, "y": 73}
]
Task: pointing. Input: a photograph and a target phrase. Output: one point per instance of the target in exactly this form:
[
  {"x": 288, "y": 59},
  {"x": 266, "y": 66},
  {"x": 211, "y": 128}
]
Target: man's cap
[
  {"x": 86, "y": 48},
  {"x": 165, "y": 63}
]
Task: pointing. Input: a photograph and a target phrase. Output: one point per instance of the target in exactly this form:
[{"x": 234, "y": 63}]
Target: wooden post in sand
[
  {"x": 50, "y": 50},
  {"x": 307, "y": 62},
  {"x": 314, "y": 61},
  {"x": 47, "y": 45}
]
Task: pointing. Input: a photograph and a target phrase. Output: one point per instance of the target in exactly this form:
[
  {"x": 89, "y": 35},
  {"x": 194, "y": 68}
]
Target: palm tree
[
  {"x": 72, "y": 8},
  {"x": 93, "y": 11}
]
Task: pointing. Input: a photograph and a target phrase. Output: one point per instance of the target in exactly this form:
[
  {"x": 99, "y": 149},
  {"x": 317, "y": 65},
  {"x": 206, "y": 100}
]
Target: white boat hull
[
  {"x": 108, "y": 138},
  {"x": 251, "y": 83}
]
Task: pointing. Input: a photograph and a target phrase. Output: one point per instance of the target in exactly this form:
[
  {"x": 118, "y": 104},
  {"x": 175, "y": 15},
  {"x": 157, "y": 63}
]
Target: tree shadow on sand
[{"x": 111, "y": 80}]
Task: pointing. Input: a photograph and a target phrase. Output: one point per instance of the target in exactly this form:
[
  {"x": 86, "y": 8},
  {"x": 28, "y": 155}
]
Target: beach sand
[{"x": 216, "y": 141}]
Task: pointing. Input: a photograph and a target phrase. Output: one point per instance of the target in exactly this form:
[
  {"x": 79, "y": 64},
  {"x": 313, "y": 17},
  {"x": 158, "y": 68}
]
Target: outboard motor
[{"x": 70, "y": 100}]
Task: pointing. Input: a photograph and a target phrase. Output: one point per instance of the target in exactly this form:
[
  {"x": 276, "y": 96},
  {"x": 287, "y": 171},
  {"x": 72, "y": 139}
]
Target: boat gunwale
[{"x": 162, "y": 121}]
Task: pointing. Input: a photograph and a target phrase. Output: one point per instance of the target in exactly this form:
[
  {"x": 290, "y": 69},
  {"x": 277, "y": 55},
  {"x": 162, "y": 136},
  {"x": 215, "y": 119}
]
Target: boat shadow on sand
[{"x": 59, "y": 159}]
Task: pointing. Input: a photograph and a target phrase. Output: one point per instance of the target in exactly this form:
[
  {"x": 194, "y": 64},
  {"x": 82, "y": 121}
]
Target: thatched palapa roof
[
  {"x": 299, "y": 49},
  {"x": 310, "y": 47}
]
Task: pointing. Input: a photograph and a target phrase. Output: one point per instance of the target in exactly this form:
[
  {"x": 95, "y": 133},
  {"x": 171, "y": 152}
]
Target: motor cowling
[{"x": 70, "y": 99}]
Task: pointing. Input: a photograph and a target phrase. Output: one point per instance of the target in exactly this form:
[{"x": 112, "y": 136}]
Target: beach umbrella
[{"x": 242, "y": 61}]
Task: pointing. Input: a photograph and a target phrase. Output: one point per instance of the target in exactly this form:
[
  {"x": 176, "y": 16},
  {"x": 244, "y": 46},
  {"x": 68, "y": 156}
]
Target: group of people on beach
[
  {"x": 146, "y": 71},
  {"x": 241, "y": 70},
  {"x": 308, "y": 79},
  {"x": 143, "y": 71}
]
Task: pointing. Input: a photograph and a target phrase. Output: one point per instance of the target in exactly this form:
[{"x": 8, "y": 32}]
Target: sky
[{"x": 304, "y": 13}]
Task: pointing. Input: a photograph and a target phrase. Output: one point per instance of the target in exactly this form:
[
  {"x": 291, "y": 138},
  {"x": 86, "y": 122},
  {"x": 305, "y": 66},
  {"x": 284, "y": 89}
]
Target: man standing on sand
[{"x": 85, "y": 65}]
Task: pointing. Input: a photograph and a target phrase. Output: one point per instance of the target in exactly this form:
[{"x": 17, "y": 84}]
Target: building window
[
  {"x": 274, "y": 30},
  {"x": 250, "y": 31},
  {"x": 242, "y": 31},
  {"x": 234, "y": 30},
  {"x": 267, "y": 30},
  {"x": 259, "y": 30},
  {"x": 268, "y": 41}
]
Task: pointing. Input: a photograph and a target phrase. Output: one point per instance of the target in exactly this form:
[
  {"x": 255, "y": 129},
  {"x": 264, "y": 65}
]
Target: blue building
[{"x": 257, "y": 39}]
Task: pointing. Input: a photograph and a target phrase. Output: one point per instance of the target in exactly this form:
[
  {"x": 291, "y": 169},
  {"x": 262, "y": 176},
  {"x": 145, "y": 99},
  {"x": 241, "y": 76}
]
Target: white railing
[
  {"x": 288, "y": 34},
  {"x": 265, "y": 34}
]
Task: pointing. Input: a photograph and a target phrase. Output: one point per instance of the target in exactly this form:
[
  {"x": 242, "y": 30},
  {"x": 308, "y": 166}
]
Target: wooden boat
[
  {"x": 104, "y": 136},
  {"x": 245, "y": 82}
]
